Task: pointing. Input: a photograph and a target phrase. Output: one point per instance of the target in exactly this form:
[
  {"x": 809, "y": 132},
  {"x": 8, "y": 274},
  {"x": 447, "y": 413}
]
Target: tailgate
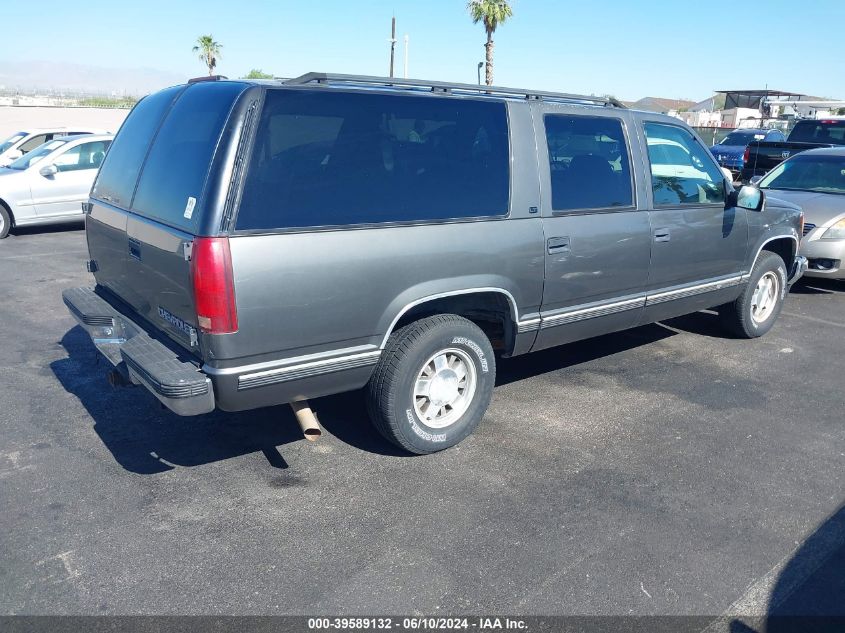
[{"x": 145, "y": 265}]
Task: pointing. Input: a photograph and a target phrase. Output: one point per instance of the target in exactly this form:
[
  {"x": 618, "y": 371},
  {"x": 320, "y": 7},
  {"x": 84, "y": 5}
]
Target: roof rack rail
[
  {"x": 196, "y": 80},
  {"x": 443, "y": 87}
]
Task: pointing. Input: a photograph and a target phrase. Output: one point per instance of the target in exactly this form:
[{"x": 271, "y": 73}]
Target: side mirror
[
  {"x": 48, "y": 171},
  {"x": 747, "y": 197},
  {"x": 755, "y": 180}
]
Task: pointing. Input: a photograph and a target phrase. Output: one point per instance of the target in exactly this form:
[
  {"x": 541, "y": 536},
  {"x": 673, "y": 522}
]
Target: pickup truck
[{"x": 760, "y": 156}]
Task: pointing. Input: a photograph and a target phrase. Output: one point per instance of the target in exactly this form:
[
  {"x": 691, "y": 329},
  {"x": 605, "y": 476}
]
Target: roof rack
[{"x": 443, "y": 87}]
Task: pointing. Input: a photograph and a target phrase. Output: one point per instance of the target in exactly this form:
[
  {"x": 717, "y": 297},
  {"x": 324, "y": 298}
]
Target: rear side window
[
  {"x": 82, "y": 157},
  {"x": 119, "y": 173},
  {"x": 333, "y": 158},
  {"x": 588, "y": 163},
  {"x": 173, "y": 177}
]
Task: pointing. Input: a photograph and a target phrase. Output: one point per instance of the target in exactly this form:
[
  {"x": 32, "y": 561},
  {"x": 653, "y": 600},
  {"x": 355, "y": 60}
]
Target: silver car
[
  {"x": 49, "y": 184},
  {"x": 815, "y": 181},
  {"x": 24, "y": 141}
]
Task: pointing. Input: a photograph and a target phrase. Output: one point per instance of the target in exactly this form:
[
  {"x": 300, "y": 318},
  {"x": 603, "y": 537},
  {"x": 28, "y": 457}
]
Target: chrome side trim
[
  {"x": 454, "y": 293},
  {"x": 690, "y": 291},
  {"x": 306, "y": 370},
  {"x": 530, "y": 325},
  {"x": 579, "y": 314}
]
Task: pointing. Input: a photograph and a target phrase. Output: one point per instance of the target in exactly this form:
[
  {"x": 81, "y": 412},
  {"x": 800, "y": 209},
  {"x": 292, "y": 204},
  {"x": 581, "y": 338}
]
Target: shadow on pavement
[
  {"x": 817, "y": 286},
  {"x": 64, "y": 227},
  {"x": 809, "y": 593},
  {"x": 146, "y": 438}
]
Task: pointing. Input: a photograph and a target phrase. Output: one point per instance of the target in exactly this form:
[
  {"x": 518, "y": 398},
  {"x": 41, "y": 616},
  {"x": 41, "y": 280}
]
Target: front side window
[
  {"x": 588, "y": 163},
  {"x": 682, "y": 170},
  {"x": 337, "y": 159},
  {"x": 28, "y": 160},
  {"x": 83, "y": 156}
]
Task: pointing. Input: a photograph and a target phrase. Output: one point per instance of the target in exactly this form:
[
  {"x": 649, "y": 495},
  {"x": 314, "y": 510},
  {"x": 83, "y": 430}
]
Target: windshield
[
  {"x": 831, "y": 131},
  {"x": 28, "y": 160},
  {"x": 819, "y": 172},
  {"x": 14, "y": 138},
  {"x": 742, "y": 138}
]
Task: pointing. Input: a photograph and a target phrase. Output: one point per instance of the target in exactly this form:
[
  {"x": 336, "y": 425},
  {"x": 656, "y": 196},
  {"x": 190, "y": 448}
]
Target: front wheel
[
  {"x": 755, "y": 311},
  {"x": 432, "y": 384}
]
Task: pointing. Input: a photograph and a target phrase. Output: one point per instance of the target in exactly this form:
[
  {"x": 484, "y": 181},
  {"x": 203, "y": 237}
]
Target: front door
[
  {"x": 62, "y": 194},
  {"x": 698, "y": 245},
  {"x": 597, "y": 241}
]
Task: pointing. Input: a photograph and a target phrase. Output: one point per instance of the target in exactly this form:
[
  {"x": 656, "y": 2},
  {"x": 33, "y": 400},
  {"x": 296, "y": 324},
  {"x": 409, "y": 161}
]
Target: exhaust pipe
[{"x": 307, "y": 420}]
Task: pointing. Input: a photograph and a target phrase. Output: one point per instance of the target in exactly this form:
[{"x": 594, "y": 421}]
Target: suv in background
[
  {"x": 256, "y": 243},
  {"x": 25, "y": 141}
]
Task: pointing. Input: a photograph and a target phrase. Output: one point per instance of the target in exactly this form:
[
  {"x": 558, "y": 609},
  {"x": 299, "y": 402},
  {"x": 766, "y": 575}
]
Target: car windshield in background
[
  {"x": 821, "y": 173},
  {"x": 28, "y": 160},
  {"x": 831, "y": 131},
  {"x": 742, "y": 138},
  {"x": 14, "y": 138}
]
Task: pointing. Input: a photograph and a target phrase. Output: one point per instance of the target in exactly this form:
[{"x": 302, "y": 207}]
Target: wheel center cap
[{"x": 444, "y": 387}]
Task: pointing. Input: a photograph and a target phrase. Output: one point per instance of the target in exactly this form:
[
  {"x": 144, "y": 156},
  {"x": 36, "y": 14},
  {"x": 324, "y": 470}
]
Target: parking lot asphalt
[{"x": 665, "y": 470}]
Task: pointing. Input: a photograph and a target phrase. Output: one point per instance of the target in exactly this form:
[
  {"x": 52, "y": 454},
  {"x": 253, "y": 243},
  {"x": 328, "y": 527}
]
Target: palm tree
[
  {"x": 491, "y": 13},
  {"x": 209, "y": 51}
]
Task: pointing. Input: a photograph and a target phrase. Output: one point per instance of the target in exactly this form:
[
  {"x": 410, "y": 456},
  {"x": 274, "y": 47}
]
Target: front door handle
[
  {"x": 558, "y": 245},
  {"x": 662, "y": 235}
]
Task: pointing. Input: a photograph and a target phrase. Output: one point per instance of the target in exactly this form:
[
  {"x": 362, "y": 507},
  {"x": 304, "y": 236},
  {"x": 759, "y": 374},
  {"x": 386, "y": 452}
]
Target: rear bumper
[{"x": 178, "y": 384}]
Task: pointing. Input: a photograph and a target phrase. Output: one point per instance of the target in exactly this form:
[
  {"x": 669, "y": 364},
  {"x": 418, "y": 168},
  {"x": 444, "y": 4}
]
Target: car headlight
[{"x": 835, "y": 232}]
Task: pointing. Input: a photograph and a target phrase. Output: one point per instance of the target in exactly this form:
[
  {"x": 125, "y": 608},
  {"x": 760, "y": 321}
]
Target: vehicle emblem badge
[{"x": 784, "y": 154}]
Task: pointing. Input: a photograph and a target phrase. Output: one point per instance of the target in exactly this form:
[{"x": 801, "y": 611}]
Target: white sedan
[{"x": 49, "y": 184}]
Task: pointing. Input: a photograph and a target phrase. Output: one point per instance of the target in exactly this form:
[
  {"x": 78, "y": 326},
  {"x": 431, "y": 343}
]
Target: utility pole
[
  {"x": 392, "y": 43},
  {"x": 406, "y": 55}
]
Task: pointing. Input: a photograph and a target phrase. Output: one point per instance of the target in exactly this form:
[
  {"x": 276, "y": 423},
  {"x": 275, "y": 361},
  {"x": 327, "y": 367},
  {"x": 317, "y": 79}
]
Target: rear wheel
[
  {"x": 5, "y": 221},
  {"x": 755, "y": 311},
  {"x": 432, "y": 384}
]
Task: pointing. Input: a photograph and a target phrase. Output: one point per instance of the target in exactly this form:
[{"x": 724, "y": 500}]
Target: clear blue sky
[{"x": 634, "y": 48}]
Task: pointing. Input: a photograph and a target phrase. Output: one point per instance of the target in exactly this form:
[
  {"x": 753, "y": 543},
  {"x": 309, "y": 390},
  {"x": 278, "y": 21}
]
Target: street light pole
[
  {"x": 392, "y": 43},
  {"x": 480, "y": 65}
]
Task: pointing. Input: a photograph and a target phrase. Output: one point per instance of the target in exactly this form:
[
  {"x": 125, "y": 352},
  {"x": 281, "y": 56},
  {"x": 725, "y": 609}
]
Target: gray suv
[{"x": 256, "y": 243}]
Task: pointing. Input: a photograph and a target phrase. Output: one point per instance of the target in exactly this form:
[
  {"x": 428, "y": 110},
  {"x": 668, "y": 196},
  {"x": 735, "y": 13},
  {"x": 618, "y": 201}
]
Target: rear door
[
  {"x": 699, "y": 245},
  {"x": 152, "y": 232},
  {"x": 597, "y": 240}
]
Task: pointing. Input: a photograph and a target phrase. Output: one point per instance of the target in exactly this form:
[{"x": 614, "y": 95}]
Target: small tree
[
  {"x": 209, "y": 51},
  {"x": 491, "y": 13},
  {"x": 257, "y": 73}
]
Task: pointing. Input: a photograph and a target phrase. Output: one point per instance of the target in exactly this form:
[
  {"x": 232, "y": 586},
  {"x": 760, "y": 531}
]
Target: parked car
[
  {"x": 262, "y": 243},
  {"x": 25, "y": 141},
  {"x": 815, "y": 180},
  {"x": 761, "y": 157},
  {"x": 730, "y": 152},
  {"x": 49, "y": 184}
]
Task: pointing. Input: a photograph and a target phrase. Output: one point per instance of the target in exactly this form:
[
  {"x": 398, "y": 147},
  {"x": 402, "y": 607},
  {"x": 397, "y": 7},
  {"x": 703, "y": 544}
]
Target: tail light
[
  {"x": 214, "y": 285},
  {"x": 746, "y": 154}
]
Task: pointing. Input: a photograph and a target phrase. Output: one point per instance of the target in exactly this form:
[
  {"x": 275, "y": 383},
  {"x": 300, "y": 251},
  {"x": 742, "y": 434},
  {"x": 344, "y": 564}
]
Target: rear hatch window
[
  {"x": 158, "y": 170},
  {"x": 830, "y": 131}
]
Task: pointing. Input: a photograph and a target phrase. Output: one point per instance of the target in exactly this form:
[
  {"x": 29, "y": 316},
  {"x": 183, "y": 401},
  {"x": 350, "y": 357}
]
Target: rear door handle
[
  {"x": 662, "y": 235},
  {"x": 558, "y": 245}
]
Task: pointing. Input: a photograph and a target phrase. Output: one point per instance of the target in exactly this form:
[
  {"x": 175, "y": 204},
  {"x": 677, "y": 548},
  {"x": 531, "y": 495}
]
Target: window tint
[
  {"x": 173, "y": 177},
  {"x": 34, "y": 142},
  {"x": 327, "y": 159},
  {"x": 588, "y": 162},
  {"x": 829, "y": 131},
  {"x": 84, "y": 156},
  {"x": 119, "y": 173},
  {"x": 682, "y": 170}
]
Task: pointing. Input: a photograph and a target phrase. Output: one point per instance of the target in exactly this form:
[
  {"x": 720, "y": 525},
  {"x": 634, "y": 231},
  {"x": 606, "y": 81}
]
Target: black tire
[
  {"x": 5, "y": 221},
  {"x": 739, "y": 316},
  {"x": 391, "y": 401}
]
